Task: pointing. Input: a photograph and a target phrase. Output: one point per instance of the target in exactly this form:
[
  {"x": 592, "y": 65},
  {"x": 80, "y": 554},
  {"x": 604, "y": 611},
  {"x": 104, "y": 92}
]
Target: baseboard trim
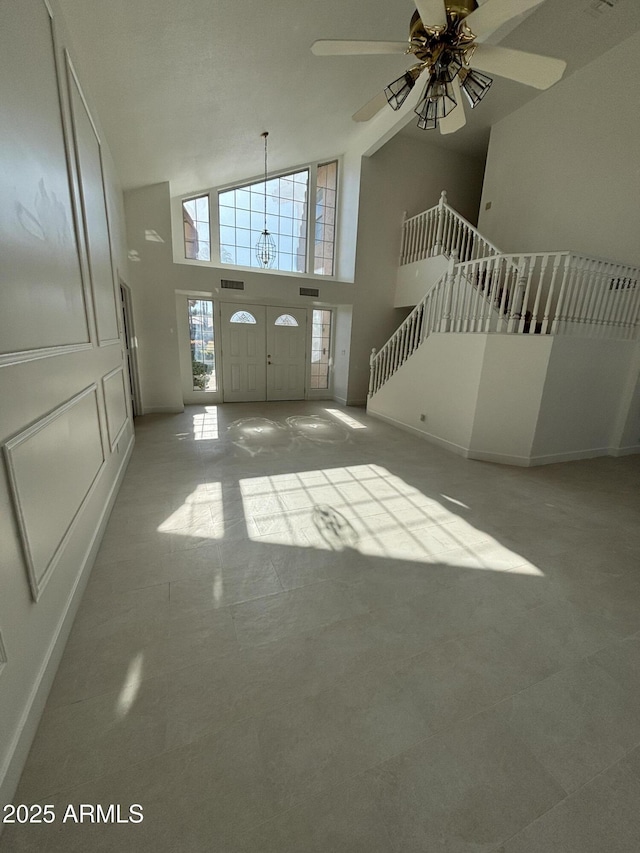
[
  {"x": 162, "y": 410},
  {"x": 427, "y": 436},
  {"x": 570, "y": 456},
  {"x": 625, "y": 451},
  {"x": 18, "y": 751},
  {"x": 501, "y": 458},
  {"x": 341, "y": 400}
]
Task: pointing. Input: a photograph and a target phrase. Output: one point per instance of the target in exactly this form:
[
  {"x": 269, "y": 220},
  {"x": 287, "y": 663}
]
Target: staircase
[
  {"x": 485, "y": 290},
  {"x": 442, "y": 231}
]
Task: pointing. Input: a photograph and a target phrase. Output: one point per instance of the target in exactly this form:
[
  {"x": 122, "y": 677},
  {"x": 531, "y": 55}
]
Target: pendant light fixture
[{"x": 266, "y": 246}]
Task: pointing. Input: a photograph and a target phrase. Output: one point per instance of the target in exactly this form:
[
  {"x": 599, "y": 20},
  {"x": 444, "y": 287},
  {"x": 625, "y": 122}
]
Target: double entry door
[{"x": 263, "y": 352}]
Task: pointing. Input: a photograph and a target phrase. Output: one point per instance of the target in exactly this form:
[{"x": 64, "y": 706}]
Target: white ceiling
[{"x": 184, "y": 89}]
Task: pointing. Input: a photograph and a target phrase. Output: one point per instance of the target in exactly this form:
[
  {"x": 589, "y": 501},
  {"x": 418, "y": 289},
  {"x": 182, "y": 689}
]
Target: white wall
[
  {"x": 404, "y": 175},
  {"x": 65, "y": 425},
  {"x": 563, "y": 171},
  {"x": 414, "y": 280},
  {"x": 441, "y": 382},
  {"x": 584, "y": 397},
  {"x": 513, "y": 377},
  {"x": 342, "y": 344},
  {"x": 518, "y": 399}
]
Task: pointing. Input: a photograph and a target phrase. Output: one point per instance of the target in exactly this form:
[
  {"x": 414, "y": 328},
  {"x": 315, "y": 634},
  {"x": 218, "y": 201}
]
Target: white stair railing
[
  {"x": 440, "y": 231},
  {"x": 425, "y": 318},
  {"x": 598, "y": 298},
  {"x": 527, "y": 293}
]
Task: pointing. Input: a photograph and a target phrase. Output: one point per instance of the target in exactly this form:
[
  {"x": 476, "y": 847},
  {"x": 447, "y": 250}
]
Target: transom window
[
  {"x": 197, "y": 235},
  {"x": 300, "y": 215},
  {"x": 286, "y": 320},
  {"x": 325, "y": 236},
  {"x": 243, "y": 317},
  {"x": 241, "y": 216}
]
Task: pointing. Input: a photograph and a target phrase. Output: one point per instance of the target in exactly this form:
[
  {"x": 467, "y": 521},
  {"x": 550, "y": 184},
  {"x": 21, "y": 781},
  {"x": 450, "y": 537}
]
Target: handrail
[
  {"x": 441, "y": 230},
  {"x": 560, "y": 293}
]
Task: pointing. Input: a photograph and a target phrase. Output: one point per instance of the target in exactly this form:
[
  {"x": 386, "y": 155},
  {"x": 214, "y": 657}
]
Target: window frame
[
  {"x": 214, "y": 222},
  {"x": 183, "y": 201}
]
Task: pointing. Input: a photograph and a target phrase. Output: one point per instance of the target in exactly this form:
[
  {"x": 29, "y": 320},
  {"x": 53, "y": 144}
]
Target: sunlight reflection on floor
[
  {"x": 131, "y": 686},
  {"x": 369, "y": 509},
  {"x": 345, "y": 419},
  {"x": 205, "y": 425}
]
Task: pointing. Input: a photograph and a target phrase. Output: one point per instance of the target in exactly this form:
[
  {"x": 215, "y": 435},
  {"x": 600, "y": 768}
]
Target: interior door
[
  {"x": 286, "y": 353},
  {"x": 244, "y": 369}
]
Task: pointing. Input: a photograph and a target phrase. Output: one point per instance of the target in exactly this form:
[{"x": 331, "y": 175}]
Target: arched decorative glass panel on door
[
  {"x": 243, "y": 317},
  {"x": 286, "y": 320}
]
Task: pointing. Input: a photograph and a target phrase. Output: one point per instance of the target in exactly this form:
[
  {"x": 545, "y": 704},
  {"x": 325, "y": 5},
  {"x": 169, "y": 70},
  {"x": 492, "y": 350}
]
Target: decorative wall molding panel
[
  {"x": 3, "y": 654},
  {"x": 94, "y": 206},
  {"x": 115, "y": 403},
  {"x": 39, "y": 219},
  {"x": 53, "y": 466}
]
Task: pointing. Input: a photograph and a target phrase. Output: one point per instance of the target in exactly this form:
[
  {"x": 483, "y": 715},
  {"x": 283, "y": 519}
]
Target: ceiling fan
[{"x": 447, "y": 37}]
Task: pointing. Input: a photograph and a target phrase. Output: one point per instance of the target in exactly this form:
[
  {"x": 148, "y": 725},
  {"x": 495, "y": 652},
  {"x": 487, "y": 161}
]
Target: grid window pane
[
  {"x": 227, "y": 216},
  {"x": 323, "y": 255},
  {"x": 243, "y": 256},
  {"x": 243, "y": 218},
  {"x": 203, "y": 359},
  {"x": 320, "y": 348},
  {"x": 195, "y": 222},
  {"x": 286, "y": 205},
  {"x": 243, "y": 199}
]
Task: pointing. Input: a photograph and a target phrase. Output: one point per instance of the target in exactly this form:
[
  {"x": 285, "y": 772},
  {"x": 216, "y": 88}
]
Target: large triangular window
[{"x": 305, "y": 241}]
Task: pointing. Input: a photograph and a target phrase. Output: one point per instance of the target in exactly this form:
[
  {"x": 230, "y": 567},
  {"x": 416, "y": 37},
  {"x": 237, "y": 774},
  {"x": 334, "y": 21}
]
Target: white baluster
[
  {"x": 547, "y": 308},
  {"x": 445, "y": 323},
  {"x": 536, "y": 306}
]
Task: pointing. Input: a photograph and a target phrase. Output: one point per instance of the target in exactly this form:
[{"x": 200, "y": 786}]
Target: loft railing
[
  {"x": 440, "y": 231},
  {"x": 561, "y": 293}
]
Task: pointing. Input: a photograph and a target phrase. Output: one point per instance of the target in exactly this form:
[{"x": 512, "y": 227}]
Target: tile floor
[{"x": 308, "y": 631}]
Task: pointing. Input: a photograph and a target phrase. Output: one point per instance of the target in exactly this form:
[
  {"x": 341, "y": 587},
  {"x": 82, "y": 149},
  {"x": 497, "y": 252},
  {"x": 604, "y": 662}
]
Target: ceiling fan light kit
[
  {"x": 398, "y": 91},
  {"x": 445, "y": 36},
  {"x": 438, "y": 102},
  {"x": 475, "y": 85}
]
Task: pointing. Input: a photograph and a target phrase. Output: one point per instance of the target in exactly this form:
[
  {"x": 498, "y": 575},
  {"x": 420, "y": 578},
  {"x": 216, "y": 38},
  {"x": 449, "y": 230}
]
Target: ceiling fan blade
[
  {"x": 371, "y": 108},
  {"x": 489, "y": 17},
  {"x": 456, "y": 119},
  {"x": 352, "y": 48},
  {"x": 528, "y": 68},
  {"x": 433, "y": 13}
]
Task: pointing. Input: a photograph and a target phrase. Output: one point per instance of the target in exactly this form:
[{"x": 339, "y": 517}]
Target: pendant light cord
[{"x": 265, "y": 134}]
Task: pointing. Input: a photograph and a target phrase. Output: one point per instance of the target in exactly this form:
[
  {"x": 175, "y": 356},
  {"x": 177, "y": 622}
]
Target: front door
[
  {"x": 244, "y": 368},
  {"x": 263, "y": 353},
  {"x": 286, "y": 350}
]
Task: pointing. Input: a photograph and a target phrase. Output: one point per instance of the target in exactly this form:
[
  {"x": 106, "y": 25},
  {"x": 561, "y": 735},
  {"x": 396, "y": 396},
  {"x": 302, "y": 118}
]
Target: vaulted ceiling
[{"x": 184, "y": 89}]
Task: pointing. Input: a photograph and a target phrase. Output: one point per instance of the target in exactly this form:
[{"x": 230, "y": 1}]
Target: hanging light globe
[{"x": 266, "y": 250}]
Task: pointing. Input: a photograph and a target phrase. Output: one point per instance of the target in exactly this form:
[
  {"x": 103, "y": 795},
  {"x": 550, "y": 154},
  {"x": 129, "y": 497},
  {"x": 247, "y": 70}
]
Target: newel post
[
  {"x": 437, "y": 249},
  {"x": 372, "y": 359},
  {"x": 445, "y": 323}
]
